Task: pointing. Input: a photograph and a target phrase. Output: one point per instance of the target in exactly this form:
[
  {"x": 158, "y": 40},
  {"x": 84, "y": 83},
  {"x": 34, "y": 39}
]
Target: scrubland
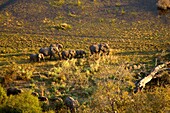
[{"x": 136, "y": 32}]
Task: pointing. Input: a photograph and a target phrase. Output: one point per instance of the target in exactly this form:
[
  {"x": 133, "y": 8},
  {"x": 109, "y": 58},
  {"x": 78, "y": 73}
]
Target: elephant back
[
  {"x": 45, "y": 51},
  {"x": 80, "y": 53},
  {"x": 94, "y": 48},
  {"x": 65, "y": 53},
  {"x": 57, "y": 47},
  {"x": 32, "y": 56}
]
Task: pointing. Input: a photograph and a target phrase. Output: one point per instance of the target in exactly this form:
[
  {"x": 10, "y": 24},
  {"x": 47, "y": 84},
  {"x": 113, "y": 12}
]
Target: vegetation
[
  {"x": 19, "y": 103},
  {"x": 99, "y": 83}
]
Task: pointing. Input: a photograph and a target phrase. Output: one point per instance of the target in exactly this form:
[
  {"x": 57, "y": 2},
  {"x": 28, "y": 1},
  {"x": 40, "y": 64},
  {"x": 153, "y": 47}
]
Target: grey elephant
[
  {"x": 69, "y": 54},
  {"x": 36, "y": 57},
  {"x": 80, "y": 54},
  {"x": 51, "y": 50},
  {"x": 59, "y": 46},
  {"x": 102, "y": 48}
]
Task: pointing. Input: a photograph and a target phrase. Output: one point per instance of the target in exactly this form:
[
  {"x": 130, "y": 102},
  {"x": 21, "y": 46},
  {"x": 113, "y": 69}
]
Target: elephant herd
[{"x": 53, "y": 49}]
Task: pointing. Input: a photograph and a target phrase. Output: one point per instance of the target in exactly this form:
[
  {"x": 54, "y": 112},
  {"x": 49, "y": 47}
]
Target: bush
[
  {"x": 23, "y": 103},
  {"x": 3, "y": 95}
]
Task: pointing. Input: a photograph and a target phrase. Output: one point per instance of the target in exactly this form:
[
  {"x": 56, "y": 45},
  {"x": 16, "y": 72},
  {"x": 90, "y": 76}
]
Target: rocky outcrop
[{"x": 163, "y": 4}]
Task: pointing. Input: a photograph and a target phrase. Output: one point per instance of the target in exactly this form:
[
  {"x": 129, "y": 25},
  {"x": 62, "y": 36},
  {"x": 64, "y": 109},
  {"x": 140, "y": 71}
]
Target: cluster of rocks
[{"x": 163, "y": 4}]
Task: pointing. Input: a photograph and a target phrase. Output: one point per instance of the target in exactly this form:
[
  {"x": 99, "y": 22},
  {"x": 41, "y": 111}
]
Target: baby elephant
[
  {"x": 80, "y": 54},
  {"x": 36, "y": 57},
  {"x": 13, "y": 91}
]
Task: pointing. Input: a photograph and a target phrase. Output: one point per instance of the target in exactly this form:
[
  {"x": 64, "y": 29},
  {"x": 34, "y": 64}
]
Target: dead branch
[{"x": 141, "y": 84}]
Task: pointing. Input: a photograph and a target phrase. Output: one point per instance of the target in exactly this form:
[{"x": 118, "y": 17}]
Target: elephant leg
[
  {"x": 35, "y": 60},
  {"x": 52, "y": 55},
  {"x": 59, "y": 55},
  {"x": 91, "y": 53},
  {"x": 43, "y": 59},
  {"x": 64, "y": 57}
]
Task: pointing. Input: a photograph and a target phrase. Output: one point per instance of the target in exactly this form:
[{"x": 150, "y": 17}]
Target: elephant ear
[
  {"x": 72, "y": 52},
  {"x": 106, "y": 45},
  {"x": 60, "y": 46},
  {"x": 101, "y": 47},
  {"x": 54, "y": 49},
  {"x": 40, "y": 55}
]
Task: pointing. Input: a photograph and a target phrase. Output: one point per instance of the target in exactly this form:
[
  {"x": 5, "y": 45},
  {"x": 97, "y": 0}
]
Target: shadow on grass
[
  {"x": 20, "y": 61},
  {"x": 138, "y": 53},
  {"x": 14, "y": 54}
]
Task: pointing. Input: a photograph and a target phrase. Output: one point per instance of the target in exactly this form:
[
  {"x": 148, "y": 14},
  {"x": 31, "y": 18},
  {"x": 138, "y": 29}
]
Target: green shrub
[
  {"x": 23, "y": 103},
  {"x": 3, "y": 96}
]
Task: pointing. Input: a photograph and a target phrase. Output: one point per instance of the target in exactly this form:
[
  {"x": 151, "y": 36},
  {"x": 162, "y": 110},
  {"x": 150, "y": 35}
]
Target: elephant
[
  {"x": 51, "y": 50},
  {"x": 69, "y": 54},
  {"x": 13, "y": 91},
  {"x": 59, "y": 46},
  {"x": 80, "y": 54},
  {"x": 102, "y": 48},
  {"x": 71, "y": 103},
  {"x": 36, "y": 57}
]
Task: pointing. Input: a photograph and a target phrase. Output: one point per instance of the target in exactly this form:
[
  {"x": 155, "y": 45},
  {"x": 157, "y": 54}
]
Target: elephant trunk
[{"x": 108, "y": 52}]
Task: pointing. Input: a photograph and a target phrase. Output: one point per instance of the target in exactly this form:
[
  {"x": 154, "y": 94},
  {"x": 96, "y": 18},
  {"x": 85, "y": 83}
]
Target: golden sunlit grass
[{"x": 101, "y": 84}]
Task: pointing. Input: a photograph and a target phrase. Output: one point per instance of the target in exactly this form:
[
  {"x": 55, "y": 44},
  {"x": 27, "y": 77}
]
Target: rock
[
  {"x": 42, "y": 98},
  {"x": 163, "y": 4},
  {"x": 13, "y": 91},
  {"x": 35, "y": 94},
  {"x": 71, "y": 103}
]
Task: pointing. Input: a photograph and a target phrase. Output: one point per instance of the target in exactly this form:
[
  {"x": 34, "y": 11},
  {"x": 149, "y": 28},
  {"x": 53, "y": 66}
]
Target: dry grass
[{"x": 97, "y": 82}]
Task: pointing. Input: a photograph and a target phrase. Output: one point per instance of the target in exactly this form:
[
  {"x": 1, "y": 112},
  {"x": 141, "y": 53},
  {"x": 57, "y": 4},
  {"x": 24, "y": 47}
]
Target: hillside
[{"x": 136, "y": 31}]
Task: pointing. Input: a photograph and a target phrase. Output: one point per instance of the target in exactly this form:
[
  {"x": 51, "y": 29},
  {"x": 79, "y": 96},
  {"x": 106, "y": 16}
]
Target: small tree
[{"x": 23, "y": 103}]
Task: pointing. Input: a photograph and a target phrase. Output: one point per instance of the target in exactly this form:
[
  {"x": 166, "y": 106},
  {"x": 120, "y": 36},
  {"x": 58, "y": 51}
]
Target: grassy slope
[{"x": 135, "y": 32}]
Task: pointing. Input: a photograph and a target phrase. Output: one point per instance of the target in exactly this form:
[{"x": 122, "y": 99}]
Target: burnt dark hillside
[
  {"x": 33, "y": 15},
  {"x": 114, "y": 20}
]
